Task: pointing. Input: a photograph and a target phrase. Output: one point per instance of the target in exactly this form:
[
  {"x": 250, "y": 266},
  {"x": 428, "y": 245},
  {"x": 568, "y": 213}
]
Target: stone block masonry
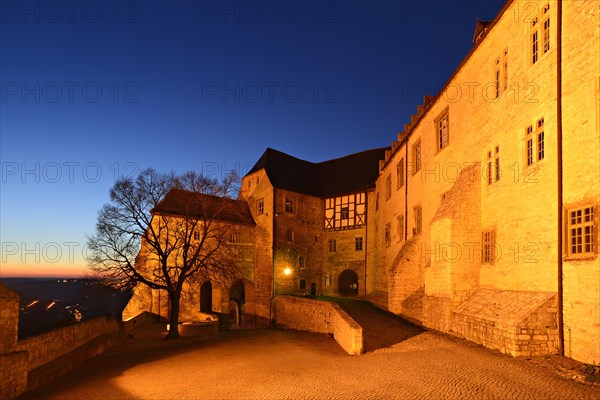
[
  {"x": 319, "y": 316},
  {"x": 29, "y": 363},
  {"x": 51, "y": 345},
  {"x": 513, "y": 322}
]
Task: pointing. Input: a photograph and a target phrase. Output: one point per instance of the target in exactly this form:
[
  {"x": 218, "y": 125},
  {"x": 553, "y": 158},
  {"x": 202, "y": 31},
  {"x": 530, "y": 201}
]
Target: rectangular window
[
  {"x": 196, "y": 235},
  {"x": 418, "y": 220},
  {"x": 497, "y": 76},
  {"x": 388, "y": 187},
  {"x": 388, "y": 234},
  {"x": 535, "y": 143},
  {"x": 400, "y": 227},
  {"x": 581, "y": 231},
  {"x": 540, "y": 33},
  {"x": 501, "y": 74},
  {"x": 289, "y": 205},
  {"x": 400, "y": 174},
  {"x": 302, "y": 283},
  {"x": 529, "y": 145},
  {"x": 493, "y": 166},
  {"x": 505, "y": 72},
  {"x": 376, "y": 201},
  {"x": 345, "y": 213},
  {"x": 443, "y": 134},
  {"x": 546, "y": 34},
  {"x": 534, "y": 44},
  {"x": 290, "y": 235},
  {"x": 417, "y": 156},
  {"x": 260, "y": 206},
  {"x": 332, "y": 246},
  {"x": 497, "y": 163},
  {"x": 540, "y": 139},
  {"x": 488, "y": 247},
  {"x": 301, "y": 262},
  {"x": 233, "y": 237},
  {"x": 358, "y": 243}
]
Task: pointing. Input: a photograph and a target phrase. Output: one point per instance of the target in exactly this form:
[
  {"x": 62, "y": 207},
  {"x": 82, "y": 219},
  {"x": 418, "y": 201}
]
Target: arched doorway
[
  {"x": 237, "y": 298},
  {"x": 206, "y": 297},
  {"x": 348, "y": 283}
]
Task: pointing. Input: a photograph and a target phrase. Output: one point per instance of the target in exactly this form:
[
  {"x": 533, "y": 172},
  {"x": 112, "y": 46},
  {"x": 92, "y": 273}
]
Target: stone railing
[
  {"x": 49, "y": 346},
  {"x": 319, "y": 316}
]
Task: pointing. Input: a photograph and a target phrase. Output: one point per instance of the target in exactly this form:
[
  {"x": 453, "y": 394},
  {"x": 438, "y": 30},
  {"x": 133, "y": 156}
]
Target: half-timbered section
[{"x": 345, "y": 212}]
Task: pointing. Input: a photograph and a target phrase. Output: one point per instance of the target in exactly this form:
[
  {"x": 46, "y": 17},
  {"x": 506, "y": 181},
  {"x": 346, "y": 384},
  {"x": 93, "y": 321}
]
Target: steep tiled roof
[
  {"x": 352, "y": 173},
  {"x": 202, "y": 206}
]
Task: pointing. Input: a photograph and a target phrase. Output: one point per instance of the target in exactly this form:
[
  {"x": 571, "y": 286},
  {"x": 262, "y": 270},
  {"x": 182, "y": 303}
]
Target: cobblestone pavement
[
  {"x": 380, "y": 328},
  {"x": 275, "y": 364}
]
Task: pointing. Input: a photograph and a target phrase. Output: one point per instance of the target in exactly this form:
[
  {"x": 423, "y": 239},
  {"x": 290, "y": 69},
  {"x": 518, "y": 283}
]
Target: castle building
[{"x": 481, "y": 220}]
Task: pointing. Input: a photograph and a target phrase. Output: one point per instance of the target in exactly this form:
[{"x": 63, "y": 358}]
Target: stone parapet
[
  {"x": 319, "y": 316},
  {"x": 513, "y": 322},
  {"x": 51, "y": 345}
]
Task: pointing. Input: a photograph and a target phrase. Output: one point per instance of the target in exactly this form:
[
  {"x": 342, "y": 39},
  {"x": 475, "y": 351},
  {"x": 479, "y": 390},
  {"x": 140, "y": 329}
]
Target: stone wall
[
  {"x": 519, "y": 204},
  {"x": 406, "y": 289},
  {"x": 257, "y": 189},
  {"x": 516, "y": 323},
  {"x": 319, "y": 316},
  {"x": 305, "y": 226},
  {"x": 26, "y": 364},
  {"x": 581, "y": 173},
  {"x": 14, "y": 367},
  {"x": 9, "y": 318},
  {"x": 51, "y": 345}
]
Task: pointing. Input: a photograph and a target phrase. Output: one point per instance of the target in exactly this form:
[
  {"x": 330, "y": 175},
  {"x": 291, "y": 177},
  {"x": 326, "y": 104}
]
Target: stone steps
[{"x": 380, "y": 328}]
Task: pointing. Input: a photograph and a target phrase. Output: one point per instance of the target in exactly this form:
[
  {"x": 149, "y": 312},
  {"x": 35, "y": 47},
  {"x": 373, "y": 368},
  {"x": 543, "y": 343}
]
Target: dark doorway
[
  {"x": 348, "y": 283},
  {"x": 237, "y": 296},
  {"x": 206, "y": 297}
]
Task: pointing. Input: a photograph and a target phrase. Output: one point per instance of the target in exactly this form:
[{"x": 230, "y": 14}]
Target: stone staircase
[{"x": 380, "y": 328}]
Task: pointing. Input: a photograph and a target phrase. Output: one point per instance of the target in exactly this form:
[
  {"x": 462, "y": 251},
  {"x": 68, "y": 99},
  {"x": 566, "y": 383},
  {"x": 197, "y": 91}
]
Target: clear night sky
[{"x": 97, "y": 89}]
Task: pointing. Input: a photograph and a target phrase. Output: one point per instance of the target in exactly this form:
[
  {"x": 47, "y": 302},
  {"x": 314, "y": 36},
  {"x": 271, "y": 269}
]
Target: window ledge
[{"x": 582, "y": 257}]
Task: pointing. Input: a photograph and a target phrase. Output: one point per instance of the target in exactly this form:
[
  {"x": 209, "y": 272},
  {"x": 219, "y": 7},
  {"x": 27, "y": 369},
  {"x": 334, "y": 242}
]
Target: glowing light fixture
[{"x": 287, "y": 271}]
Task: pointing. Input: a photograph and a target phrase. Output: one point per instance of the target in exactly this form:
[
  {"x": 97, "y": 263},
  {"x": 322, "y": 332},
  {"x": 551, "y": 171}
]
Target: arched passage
[
  {"x": 237, "y": 298},
  {"x": 348, "y": 283},
  {"x": 206, "y": 297}
]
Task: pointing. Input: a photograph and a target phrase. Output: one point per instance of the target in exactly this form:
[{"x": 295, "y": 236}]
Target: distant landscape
[{"x": 50, "y": 303}]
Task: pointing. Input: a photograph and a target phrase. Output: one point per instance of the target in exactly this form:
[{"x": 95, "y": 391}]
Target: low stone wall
[
  {"x": 49, "y": 346},
  {"x": 29, "y": 363},
  {"x": 9, "y": 319},
  {"x": 319, "y": 316},
  {"x": 14, "y": 368},
  {"x": 48, "y": 372},
  {"x": 515, "y": 323},
  {"x": 204, "y": 330},
  {"x": 132, "y": 324},
  {"x": 437, "y": 313}
]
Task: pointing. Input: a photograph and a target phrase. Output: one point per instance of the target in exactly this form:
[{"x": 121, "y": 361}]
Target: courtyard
[{"x": 280, "y": 364}]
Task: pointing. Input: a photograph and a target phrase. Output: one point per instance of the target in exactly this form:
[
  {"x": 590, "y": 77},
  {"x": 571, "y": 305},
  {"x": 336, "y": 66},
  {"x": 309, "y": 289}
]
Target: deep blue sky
[{"x": 103, "y": 88}]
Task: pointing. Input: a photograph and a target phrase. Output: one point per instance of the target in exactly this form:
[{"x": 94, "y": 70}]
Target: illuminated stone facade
[
  {"x": 481, "y": 220},
  {"x": 490, "y": 213}
]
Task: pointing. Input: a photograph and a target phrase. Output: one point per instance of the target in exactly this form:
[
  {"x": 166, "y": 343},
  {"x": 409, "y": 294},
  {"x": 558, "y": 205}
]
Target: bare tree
[{"x": 163, "y": 230}]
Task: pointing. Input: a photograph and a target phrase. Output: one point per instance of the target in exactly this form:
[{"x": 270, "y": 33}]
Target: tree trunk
[{"x": 174, "y": 297}]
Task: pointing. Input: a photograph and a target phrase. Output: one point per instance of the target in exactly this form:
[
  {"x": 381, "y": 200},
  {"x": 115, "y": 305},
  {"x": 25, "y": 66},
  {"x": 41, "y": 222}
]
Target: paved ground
[
  {"x": 275, "y": 364},
  {"x": 380, "y": 328}
]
